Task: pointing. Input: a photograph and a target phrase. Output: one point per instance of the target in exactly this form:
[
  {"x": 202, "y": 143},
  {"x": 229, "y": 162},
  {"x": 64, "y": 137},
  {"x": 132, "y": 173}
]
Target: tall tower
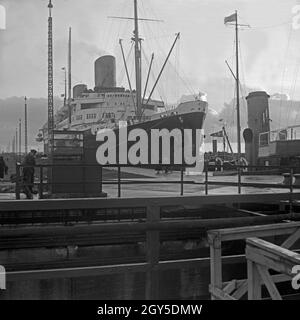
[{"x": 50, "y": 82}]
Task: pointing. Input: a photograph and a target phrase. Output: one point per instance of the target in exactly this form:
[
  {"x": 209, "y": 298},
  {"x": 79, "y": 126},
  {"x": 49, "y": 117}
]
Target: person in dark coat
[
  {"x": 28, "y": 165},
  {"x": 3, "y": 168}
]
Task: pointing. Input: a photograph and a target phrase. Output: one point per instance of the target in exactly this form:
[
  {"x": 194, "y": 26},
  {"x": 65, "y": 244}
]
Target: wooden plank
[
  {"x": 277, "y": 278},
  {"x": 218, "y": 294},
  {"x": 257, "y": 256},
  {"x": 241, "y": 290},
  {"x": 97, "y": 203},
  {"x": 290, "y": 241},
  {"x": 242, "y": 285},
  {"x": 132, "y": 226},
  {"x": 153, "y": 252},
  {"x": 216, "y": 264},
  {"x": 254, "y": 282},
  {"x": 267, "y": 279},
  {"x": 230, "y": 287},
  {"x": 238, "y": 233},
  {"x": 273, "y": 251}
]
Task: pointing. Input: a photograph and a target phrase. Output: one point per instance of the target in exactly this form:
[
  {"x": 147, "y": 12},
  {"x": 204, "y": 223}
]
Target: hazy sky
[{"x": 269, "y": 49}]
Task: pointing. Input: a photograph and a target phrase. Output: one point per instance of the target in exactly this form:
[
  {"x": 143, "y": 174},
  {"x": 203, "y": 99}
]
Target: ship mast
[
  {"x": 234, "y": 18},
  {"x": 70, "y": 76},
  {"x": 237, "y": 88},
  {"x": 138, "y": 76}
]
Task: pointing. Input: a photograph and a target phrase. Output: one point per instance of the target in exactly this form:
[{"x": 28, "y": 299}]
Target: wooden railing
[
  {"x": 100, "y": 234},
  {"x": 236, "y": 289},
  {"x": 262, "y": 256}
]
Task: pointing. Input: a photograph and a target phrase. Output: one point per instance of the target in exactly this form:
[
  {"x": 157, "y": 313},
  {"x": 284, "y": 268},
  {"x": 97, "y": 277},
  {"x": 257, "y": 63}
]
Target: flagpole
[{"x": 237, "y": 89}]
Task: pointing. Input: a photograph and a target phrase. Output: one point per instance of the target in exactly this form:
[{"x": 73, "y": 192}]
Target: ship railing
[
  {"x": 284, "y": 134},
  {"x": 260, "y": 255},
  {"x": 291, "y": 180}
]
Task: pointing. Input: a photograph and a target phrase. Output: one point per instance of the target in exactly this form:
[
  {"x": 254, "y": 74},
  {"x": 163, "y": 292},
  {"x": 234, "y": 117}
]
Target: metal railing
[{"x": 240, "y": 171}]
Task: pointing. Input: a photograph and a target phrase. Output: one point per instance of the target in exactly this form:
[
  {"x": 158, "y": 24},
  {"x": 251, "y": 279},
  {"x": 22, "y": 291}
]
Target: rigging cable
[
  {"x": 122, "y": 75},
  {"x": 290, "y": 107},
  {"x": 284, "y": 71},
  {"x": 242, "y": 87}
]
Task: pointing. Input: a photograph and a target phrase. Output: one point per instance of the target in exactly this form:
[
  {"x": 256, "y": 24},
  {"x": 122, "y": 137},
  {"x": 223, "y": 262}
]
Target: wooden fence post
[
  {"x": 216, "y": 263},
  {"x": 153, "y": 250},
  {"x": 254, "y": 282},
  {"x": 119, "y": 181}
]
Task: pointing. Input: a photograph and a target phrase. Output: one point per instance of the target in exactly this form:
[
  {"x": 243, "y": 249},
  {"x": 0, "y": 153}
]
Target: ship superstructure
[{"x": 107, "y": 104}]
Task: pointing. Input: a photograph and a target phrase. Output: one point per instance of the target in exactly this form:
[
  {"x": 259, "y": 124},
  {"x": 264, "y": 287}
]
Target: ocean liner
[{"x": 107, "y": 105}]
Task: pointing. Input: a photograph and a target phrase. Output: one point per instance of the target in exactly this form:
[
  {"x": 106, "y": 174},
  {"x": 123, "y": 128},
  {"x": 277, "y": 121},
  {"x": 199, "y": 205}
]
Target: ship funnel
[
  {"x": 105, "y": 72},
  {"x": 78, "y": 90},
  {"x": 258, "y": 122}
]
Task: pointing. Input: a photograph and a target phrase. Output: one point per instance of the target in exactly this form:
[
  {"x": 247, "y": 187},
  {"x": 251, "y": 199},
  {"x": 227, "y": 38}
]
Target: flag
[
  {"x": 2, "y": 18},
  {"x": 232, "y": 18},
  {"x": 218, "y": 134}
]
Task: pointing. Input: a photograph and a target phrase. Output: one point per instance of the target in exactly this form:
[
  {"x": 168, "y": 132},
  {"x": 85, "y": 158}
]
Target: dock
[{"x": 149, "y": 248}]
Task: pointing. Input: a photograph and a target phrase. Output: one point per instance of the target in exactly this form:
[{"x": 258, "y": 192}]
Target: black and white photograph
[{"x": 149, "y": 154}]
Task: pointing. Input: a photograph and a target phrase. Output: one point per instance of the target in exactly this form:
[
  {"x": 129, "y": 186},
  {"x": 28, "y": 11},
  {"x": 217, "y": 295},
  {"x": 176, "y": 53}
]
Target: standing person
[
  {"x": 3, "y": 168},
  {"x": 28, "y": 173}
]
